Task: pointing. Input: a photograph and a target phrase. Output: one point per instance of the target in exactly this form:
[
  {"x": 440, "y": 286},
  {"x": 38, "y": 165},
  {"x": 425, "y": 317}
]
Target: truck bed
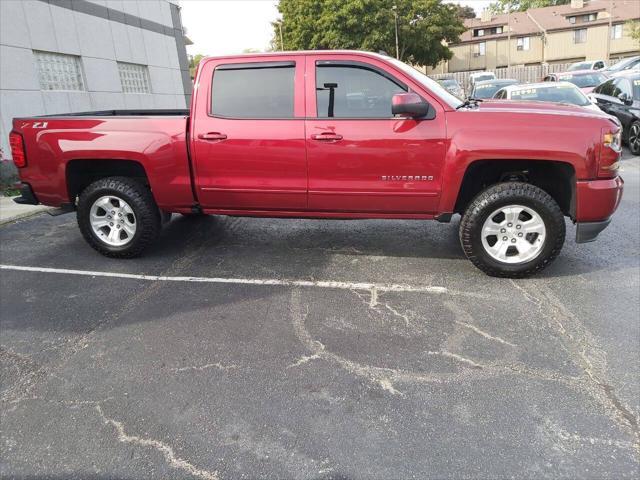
[{"x": 152, "y": 143}]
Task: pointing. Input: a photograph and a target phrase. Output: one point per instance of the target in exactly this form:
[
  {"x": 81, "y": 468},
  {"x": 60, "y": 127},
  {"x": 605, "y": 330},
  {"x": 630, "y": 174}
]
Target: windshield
[
  {"x": 584, "y": 80},
  {"x": 487, "y": 90},
  {"x": 448, "y": 82},
  {"x": 480, "y": 78},
  {"x": 429, "y": 83},
  {"x": 625, "y": 64},
  {"x": 557, "y": 94},
  {"x": 580, "y": 66}
]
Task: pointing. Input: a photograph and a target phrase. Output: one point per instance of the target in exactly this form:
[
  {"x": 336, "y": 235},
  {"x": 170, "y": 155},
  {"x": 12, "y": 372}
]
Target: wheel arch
[
  {"x": 557, "y": 178},
  {"x": 80, "y": 173}
]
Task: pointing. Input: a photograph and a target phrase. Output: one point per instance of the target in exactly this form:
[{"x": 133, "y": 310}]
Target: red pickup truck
[{"x": 331, "y": 134}]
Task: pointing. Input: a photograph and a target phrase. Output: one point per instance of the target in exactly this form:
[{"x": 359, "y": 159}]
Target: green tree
[
  {"x": 424, "y": 27},
  {"x": 504, "y": 6},
  {"x": 633, "y": 27},
  {"x": 465, "y": 11},
  {"x": 194, "y": 60}
]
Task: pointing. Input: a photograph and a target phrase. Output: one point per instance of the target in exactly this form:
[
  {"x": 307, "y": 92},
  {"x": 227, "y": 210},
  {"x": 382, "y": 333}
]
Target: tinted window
[
  {"x": 558, "y": 94},
  {"x": 616, "y": 88},
  {"x": 481, "y": 78},
  {"x": 623, "y": 86},
  {"x": 253, "y": 92},
  {"x": 488, "y": 90},
  {"x": 584, "y": 80},
  {"x": 580, "y": 66},
  {"x": 605, "y": 89},
  {"x": 447, "y": 82},
  {"x": 636, "y": 88},
  {"x": 358, "y": 92}
]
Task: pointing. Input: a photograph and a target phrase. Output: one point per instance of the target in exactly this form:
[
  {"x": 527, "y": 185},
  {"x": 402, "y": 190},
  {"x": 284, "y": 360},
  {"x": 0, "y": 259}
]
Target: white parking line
[{"x": 372, "y": 287}]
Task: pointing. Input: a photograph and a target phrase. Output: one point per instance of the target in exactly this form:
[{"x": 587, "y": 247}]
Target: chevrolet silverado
[{"x": 331, "y": 134}]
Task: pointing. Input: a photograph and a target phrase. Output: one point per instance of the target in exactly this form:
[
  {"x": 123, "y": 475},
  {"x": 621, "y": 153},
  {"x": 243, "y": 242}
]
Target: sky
[{"x": 226, "y": 27}]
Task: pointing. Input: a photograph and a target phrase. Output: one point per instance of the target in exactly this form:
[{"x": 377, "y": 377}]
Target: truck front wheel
[
  {"x": 118, "y": 217},
  {"x": 512, "y": 229}
]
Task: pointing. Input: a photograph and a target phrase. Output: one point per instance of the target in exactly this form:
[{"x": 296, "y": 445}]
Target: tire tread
[
  {"x": 473, "y": 219},
  {"x": 141, "y": 200}
]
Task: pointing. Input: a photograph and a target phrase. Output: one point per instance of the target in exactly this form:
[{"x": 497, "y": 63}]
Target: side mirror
[
  {"x": 409, "y": 105},
  {"x": 625, "y": 98}
]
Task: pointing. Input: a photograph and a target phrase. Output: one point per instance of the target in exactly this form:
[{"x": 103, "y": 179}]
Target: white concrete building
[{"x": 62, "y": 56}]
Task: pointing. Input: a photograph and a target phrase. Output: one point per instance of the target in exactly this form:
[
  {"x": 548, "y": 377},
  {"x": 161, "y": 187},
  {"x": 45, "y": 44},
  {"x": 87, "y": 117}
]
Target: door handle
[
  {"x": 326, "y": 137},
  {"x": 212, "y": 136}
]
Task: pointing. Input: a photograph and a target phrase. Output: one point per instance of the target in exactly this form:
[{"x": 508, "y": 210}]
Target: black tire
[
  {"x": 633, "y": 138},
  {"x": 138, "y": 196},
  {"x": 501, "y": 195}
]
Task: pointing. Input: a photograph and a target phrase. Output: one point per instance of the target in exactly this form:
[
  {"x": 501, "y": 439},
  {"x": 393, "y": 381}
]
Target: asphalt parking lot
[{"x": 261, "y": 348}]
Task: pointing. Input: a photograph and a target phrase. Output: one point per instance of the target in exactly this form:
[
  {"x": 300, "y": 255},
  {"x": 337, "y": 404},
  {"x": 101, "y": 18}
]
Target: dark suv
[{"x": 620, "y": 97}]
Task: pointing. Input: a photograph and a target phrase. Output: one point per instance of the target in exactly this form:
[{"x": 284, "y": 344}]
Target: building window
[
  {"x": 572, "y": 20},
  {"x": 481, "y": 32},
  {"x": 580, "y": 35},
  {"x": 616, "y": 31},
  {"x": 523, "y": 43},
  {"x": 498, "y": 29},
  {"x": 479, "y": 49},
  {"x": 589, "y": 18},
  {"x": 59, "y": 72},
  {"x": 134, "y": 78}
]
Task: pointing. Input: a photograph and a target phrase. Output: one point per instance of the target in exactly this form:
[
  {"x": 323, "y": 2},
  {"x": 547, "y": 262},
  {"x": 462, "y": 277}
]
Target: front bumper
[
  {"x": 596, "y": 201},
  {"x": 588, "y": 231}
]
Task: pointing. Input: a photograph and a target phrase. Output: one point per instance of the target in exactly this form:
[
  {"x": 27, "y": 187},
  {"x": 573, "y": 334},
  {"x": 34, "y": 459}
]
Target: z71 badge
[{"x": 407, "y": 178}]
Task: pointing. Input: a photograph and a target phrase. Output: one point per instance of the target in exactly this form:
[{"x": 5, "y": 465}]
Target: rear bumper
[
  {"x": 27, "y": 197},
  {"x": 596, "y": 201}
]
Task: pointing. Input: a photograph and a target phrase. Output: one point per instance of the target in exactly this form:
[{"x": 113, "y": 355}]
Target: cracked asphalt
[{"x": 417, "y": 365}]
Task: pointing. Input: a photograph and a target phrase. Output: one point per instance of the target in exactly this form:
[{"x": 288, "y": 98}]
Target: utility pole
[
  {"x": 509, "y": 35},
  {"x": 281, "y": 40},
  {"x": 395, "y": 14},
  {"x": 609, "y": 32}
]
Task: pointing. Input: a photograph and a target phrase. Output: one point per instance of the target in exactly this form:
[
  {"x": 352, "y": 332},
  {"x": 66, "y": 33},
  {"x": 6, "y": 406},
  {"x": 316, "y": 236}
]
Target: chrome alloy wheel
[
  {"x": 513, "y": 234},
  {"x": 634, "y": 138},
  {"x": 112, "y": 221}
]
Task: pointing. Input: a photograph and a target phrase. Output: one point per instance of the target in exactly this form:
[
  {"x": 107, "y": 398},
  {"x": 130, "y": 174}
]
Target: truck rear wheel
[
  {"x": 118, "y": 217},
  {"x": 512, "y": 230}
]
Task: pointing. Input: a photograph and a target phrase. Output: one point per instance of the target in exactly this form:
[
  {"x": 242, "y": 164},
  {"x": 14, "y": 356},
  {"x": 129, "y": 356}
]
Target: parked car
[
  {"x": 487, "y": 88},
  {"x": 480, "y": 77},
  {"x": 330, "y": 134},
  {"x": 623, "y": 65},
  {"x": 452, "y": 85},
  {"x": 620, "y": 97},
  {"x": 588, "y": 65},
  {"x": 585, "y": 80},
  {"x": 556, "y": 92}
]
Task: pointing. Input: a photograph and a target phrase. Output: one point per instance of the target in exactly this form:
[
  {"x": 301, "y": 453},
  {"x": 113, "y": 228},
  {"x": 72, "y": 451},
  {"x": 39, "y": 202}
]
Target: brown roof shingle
[{"x": 552, "y": 18}]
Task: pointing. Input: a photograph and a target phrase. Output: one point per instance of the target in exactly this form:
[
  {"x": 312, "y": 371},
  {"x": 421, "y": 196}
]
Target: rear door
[
  {"x": 248, "y": 144},
  {"x": 361, "y": 158}
]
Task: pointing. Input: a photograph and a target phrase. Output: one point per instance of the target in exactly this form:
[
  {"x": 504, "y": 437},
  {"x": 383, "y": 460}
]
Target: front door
[
  {"x": 360, "y": 158},
  {"x": 248, "y": 142}
]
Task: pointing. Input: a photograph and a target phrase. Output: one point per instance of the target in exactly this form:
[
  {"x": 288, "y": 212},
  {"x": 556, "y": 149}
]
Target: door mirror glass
[{"x": 409, "y": 105}]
